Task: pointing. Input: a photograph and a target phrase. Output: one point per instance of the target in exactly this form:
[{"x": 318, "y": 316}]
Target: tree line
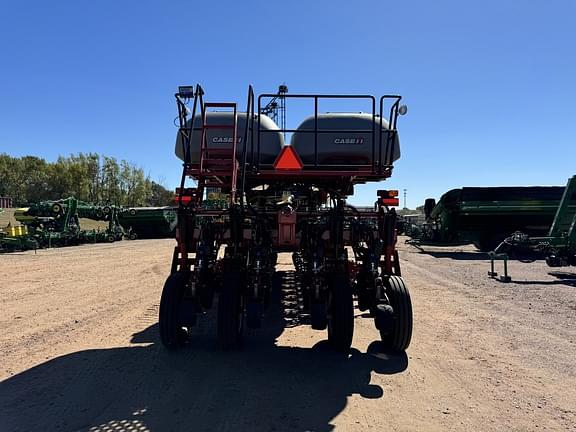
[{"x": 89, "y": 177}]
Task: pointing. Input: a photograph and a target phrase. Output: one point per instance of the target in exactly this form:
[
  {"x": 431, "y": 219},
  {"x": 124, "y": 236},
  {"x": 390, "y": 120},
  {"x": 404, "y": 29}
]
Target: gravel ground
[{"x": 79, "y": 351}]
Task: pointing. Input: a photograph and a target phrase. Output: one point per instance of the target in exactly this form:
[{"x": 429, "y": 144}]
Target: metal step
[
  {"x": 218, "y": 126},
  {"x": 218, "y": 162},
  {"x": 219, "y": 152},
  {"x": 210, "y": 173},
  {"x": 220, "y": 104}
]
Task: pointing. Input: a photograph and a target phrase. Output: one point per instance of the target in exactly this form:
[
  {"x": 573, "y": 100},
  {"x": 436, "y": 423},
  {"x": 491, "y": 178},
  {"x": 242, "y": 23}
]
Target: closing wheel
[
  {"x": 230, "y": 311},
  {"x": 340, "y": 313},
  {"x": 173, "y": 332},
  {"x": 397, "y": 335}
]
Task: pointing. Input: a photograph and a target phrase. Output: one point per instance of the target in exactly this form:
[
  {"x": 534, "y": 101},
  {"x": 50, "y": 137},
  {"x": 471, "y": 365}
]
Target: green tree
[
  {"x": 160, "y": 196},
  {"x": 89, "y": 177}
]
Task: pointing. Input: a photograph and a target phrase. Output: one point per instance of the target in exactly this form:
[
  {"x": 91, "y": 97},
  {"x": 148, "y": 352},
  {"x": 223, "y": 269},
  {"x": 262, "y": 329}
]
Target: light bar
[
  {"x": 390, "y": 202},
  {"x": 186, "y": 91},
  {"x": 387, "y": 193}
]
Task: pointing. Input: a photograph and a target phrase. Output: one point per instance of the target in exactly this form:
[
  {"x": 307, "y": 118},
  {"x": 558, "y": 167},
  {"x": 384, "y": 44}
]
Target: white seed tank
[
  {"x": 339, "y": 146},
  {"x": 271, "y": 139}
]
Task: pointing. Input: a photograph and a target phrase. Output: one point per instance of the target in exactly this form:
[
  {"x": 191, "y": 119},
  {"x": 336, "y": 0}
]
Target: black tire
[
  {"x": 230, "y": 311},
  {"x": 340, "y": 313},
  {"x": 57, "y": 208},
  {"x": 133, "y": 236},
  {"x": 319, "y": 316},
  {"x": 487, "y": 242},
  {"x": 400, "y": 334},
  {"x": 172, "y": 333}
]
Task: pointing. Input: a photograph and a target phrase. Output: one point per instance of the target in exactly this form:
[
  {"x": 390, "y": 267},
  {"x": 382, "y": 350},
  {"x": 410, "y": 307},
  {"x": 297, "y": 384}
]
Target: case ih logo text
[
  {"x": 225, "y": 140},
  {"x": 349, "y": 141}
]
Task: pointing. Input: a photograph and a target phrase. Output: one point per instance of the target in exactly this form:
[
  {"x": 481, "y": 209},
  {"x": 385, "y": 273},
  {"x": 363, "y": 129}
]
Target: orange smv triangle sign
[{"x": 288, "y": 159}]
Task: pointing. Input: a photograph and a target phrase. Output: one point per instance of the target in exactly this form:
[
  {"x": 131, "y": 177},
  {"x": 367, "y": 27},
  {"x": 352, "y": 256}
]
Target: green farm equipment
[
  {"x": 148, "y": 222},
  {"x": 558, "y": 246},
  {"x": 57, "y": 223},
  {"x": 14, "y": 238},
  {"x": 485, "y": 216}
]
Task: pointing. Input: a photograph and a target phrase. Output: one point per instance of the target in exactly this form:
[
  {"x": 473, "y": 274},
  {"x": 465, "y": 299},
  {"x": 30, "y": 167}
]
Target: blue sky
[{"x": 490, "y": 85}]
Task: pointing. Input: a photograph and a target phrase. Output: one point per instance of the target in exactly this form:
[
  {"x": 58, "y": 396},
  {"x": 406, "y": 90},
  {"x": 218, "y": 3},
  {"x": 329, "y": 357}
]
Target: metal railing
[
  {"x": 251, "y": 158},
  {"x": 377, "y": 164}
]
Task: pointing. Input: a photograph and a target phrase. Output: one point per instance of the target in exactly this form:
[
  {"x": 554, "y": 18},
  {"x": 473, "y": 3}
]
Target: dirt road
[{"x": 79, "y": 351}]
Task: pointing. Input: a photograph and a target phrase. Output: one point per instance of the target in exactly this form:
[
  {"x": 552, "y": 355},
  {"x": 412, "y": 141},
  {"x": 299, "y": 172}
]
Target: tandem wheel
[
  {"x": 319, "y": 315},
  {"x": 176, "y": 315},
  {"x": 340, "y": 312},
  {"x": 396, "y": 337},
  {"x": 231, "y": 311}
]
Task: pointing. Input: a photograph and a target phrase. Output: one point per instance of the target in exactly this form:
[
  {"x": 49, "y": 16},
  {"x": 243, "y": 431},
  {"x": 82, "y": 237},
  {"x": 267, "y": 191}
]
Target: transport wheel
[
  {"x": 173, "y": 334},
  {"x": 133, "y": 236},
  {"x": 230, "y": 311},
  {"x": 340, "y": 313},
  {"x": 397, "y": 336}
]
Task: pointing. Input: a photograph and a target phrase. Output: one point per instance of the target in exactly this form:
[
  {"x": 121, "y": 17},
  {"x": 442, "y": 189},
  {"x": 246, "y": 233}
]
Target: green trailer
[
  {"x": 149, "y": 222},
  {"x": 485, "y": 216}
]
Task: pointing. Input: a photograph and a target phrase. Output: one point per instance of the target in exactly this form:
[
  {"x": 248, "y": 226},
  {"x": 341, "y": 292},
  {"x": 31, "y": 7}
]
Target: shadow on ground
[
  {"x": 263, "y": 387},
  {"x": 562, "y": 278},
  {"x": 481, "y": 256},
  {"x": 458, "y": 255}
]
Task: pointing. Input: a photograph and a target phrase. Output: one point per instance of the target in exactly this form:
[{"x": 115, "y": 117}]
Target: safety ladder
[{"x": 218, "y": 167}]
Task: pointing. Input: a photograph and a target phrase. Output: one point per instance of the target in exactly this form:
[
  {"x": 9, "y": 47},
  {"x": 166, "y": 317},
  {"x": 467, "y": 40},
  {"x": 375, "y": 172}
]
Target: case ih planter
[{"x": 285, "y": 198}]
